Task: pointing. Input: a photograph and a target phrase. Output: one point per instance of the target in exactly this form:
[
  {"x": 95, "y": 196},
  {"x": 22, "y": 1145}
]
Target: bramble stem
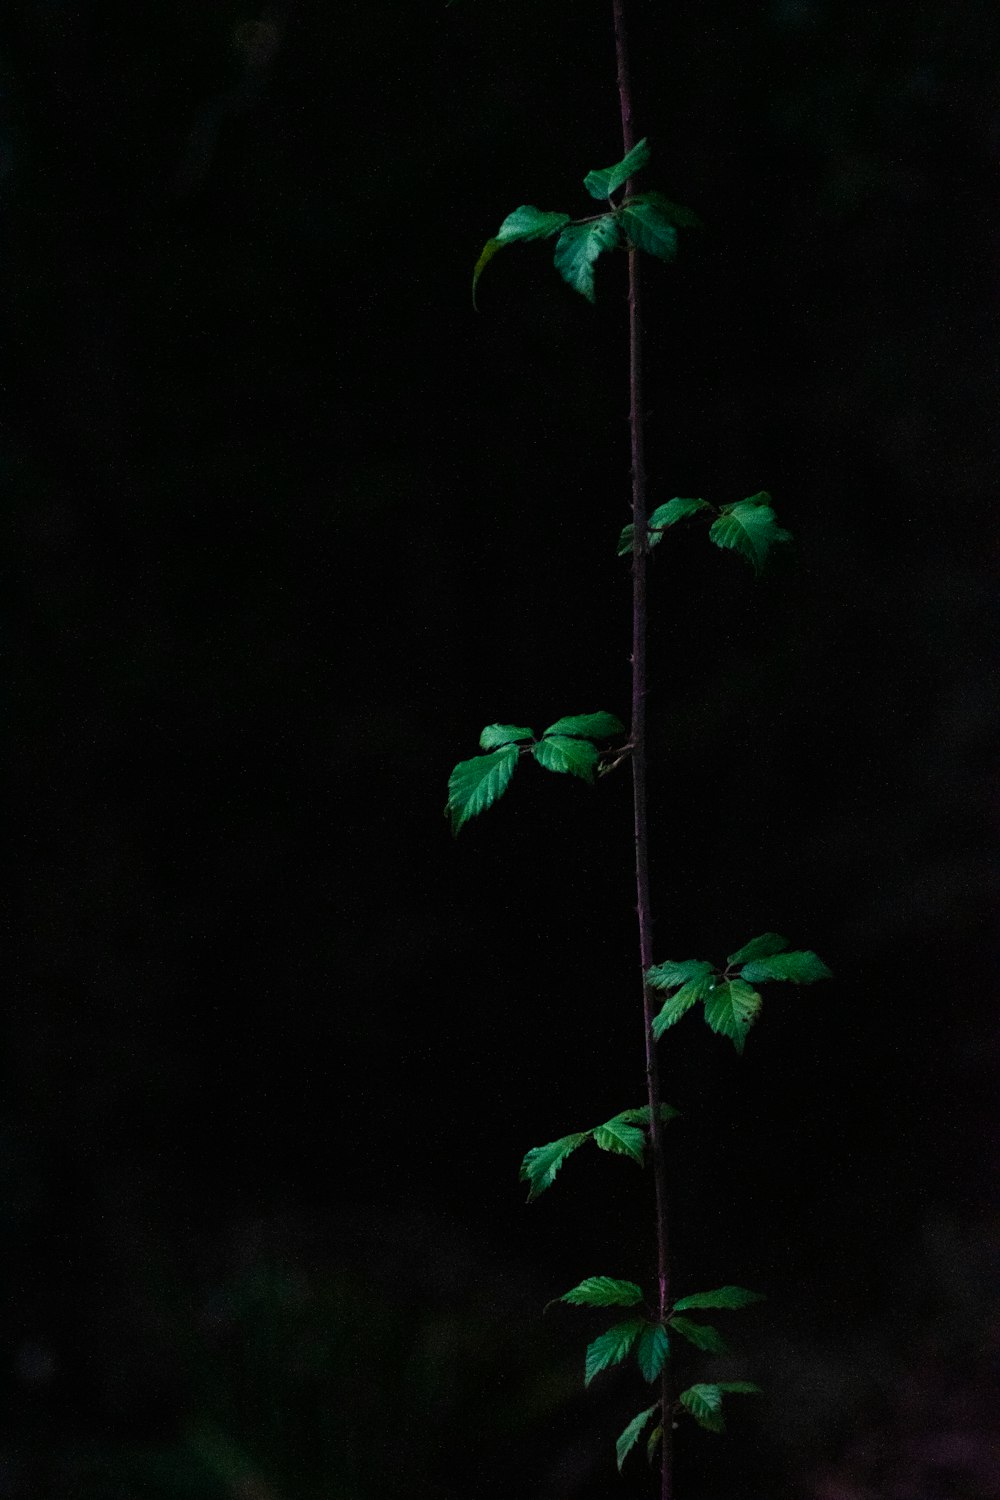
[{"x": 638, "y": 740}]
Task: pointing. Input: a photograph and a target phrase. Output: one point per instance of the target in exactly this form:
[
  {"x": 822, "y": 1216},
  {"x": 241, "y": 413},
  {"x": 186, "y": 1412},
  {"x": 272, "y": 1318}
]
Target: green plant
[{"x": 590, "y": 745}]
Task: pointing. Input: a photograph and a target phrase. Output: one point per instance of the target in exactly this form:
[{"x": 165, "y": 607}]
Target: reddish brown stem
[{"x": 638, "y": 740}]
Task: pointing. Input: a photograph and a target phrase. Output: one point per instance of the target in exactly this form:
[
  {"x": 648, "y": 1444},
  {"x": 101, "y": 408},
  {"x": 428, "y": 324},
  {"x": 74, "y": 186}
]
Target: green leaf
[
  {"x": 611, "y": 1348},
  {"x": 641, "y": 1116},
  {"x": 688, "y": 995},
  {"x": 676, "y": 213},
  {"x": 530, "y": 223},
  {"x": 578, "y": 247},
  {"x": 625, "y": 541},
  {"x": 630, "y": 1436},
  {"x": 599, "y": 726},
  {"x": 651, "y": 1351},
  {"x": 648, "y": 228},
  {"x": 560, "y": 753},
  {"x": 701, "y": 1335},
  {"x": 621, "y": 1140},
  {"x": 603, "y": 181},
  {"x": 525, "y": 223},
  {"x": 758, "y": 947},
  {"x": 670, "y": 974},
  {"x": 541, "y": 1163},
  {"x": 474, "y": 785},
  {"x": 750, "y": 528},
  {"x": 653, "y": 1442},
  {"x": 669, "y": 514},
  {"x": 704, "y": 1402},
  {"x": 674, "y": 510},
  {"x": 798, "y": 968},
  {"x": 740, "y": 1387},
  {"x": 495, "y": 735},
  {"x": 731, "y": 1009},
  {"x": 723, "y": 1296},
  {"x": 603, "y": 1291}
]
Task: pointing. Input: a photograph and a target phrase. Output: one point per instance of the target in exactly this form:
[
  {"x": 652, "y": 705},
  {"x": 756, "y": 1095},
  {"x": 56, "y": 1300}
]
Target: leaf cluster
[
  {"x": 648, "y": 1338},
  {"x": 731, "y": 1003},
  {"x": 568, "y": 746},
  {"x": 748, "y": 527},
  {"x": 623, "y": 1135},
  {"x": 646, "y": 221}
]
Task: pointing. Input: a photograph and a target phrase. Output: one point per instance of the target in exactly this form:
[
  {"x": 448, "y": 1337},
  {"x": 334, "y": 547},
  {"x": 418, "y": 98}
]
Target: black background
[{"x": 290, "y": 523}]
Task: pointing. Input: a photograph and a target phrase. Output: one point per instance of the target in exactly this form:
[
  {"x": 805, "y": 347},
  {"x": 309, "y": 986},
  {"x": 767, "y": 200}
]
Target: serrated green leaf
[
  {"x": 640, "y": 1116},
  {"x": 603, "y": 1291},
  {"x": 630, "y": 1436},
  {"x": 541, "y": 1163},
  {"x": 485, "y": 256},
  {"x": 578, "y": 247},
  {"x": 474, "y": 785},
  {"x": 758, "y": 947},
  {"x": 798, "y": 968},
  {"x": 676, "y": 213},
  {"x": 723, "y": 1296},
  {"x": 689, "y": 994},
  {"x": 621, "y": 1140},
  {"x": 701, "y": 1335},
  {"x": 525, "y": 223},
  {"x": 704, "y": 1402},
  {"x": 651, "y": 1351},
  {"x": 677, "y": 509},
  {"x": 495, "y": 735},
  {"x": 558, "y": 752},
  {"x": 599, "y": 726},
  {"x": 653, "y": 1442},
  {"x": 669, "y": 514},
  {"x": 603, "y": 181},
  {"x": 611, "y": 1348},
  {"x": 530, "y": 223},
  {"x": 731, "y": 1009},
  {"x": 671, "y": 973},
  {"x": 648, "y": 228},
  {"x": 750, "y": 527}
]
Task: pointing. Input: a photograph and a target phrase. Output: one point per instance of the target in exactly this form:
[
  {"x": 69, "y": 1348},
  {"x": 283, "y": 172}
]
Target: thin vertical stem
[{"x": 638, "y": 740}]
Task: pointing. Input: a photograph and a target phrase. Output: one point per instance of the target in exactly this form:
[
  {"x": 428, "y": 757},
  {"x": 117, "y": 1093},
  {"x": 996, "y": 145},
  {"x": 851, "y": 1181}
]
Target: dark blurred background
[{"x": 289, "y": 523}]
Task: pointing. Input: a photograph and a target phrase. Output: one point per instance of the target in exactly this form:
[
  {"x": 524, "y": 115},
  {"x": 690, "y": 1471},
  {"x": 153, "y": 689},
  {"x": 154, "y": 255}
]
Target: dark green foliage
[
  {"x": 603, "y": 1291},
  {"x": 701, "y": 1335},
  {"x": 652, "y": 1351},
  {"x": 560, "y": 753},
  {"x": 798, "y": 968},
  {"x": 618, "y": 1135},
  {"x": 495, "y": 735},
  {"x": 704, "y": 1401},
  {"x": 566, "y": 746},
  {"x": 633, "y": 1432},
  {"x": 731, "y": 1008},
  {"x": 599, "y": 726},
  {"x": 648, "y": 221},
  {"x": 578, "y": 247},
  {"x": 621, "y": 1139},
  {"x": 610, "y": 1348},
  {"x": 724, "y": 1296},
  {"x": 731, "y": 1004},
  {"x": 751, "y": 528},
  {"x": 748, "y": 527},
  {"x": 604, "y": 181},
  {"x": 474, "y": 785},
  {"x": 541, "y": 1163}
]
